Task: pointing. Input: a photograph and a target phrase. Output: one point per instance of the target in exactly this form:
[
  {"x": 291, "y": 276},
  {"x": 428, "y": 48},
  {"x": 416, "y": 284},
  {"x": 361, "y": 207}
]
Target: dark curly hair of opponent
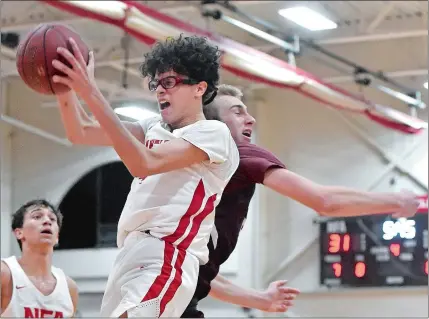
[{"x": 191, "y": 56}]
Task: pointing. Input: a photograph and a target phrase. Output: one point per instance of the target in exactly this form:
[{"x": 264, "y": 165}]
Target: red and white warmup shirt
[{"x": 178, "y": 206}]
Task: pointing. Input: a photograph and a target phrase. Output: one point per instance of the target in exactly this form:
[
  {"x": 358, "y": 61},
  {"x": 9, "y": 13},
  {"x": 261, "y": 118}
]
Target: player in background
[
  {"x": 30, "y": 286},
  {"x": 259, "y": 166},
  {"x": 181, "y": 163}
]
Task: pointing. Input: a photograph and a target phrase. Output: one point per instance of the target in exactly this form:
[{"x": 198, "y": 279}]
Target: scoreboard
[{"x": 375, "y": 251}]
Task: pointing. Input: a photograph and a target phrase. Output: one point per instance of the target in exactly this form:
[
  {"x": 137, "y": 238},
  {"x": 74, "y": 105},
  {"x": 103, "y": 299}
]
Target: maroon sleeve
[{"x": 256, "y": 161}]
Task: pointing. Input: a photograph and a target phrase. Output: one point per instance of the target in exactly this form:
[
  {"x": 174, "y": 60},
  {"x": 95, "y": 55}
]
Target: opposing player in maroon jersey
[{"x": 259, "y": 166}]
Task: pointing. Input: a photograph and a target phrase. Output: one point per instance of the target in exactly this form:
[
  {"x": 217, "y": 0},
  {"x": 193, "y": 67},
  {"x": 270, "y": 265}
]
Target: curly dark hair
[
  {"x": 191, "y": 56},
  {"x": 18, "y": 216}
]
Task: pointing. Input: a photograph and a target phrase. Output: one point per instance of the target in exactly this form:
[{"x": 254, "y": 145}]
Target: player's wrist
[
  {"x": 66, "y": 96},
  {"x": 92, "y": 90},
  {"x": 262, "y": 300},
  {"x": 397, "y": 201},
  {"x": 92, "y": 94}
]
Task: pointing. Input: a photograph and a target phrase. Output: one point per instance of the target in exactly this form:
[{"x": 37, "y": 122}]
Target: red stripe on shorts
[
  {"x": 177, "y": 280},
  {"x": 161, "y": 280}
]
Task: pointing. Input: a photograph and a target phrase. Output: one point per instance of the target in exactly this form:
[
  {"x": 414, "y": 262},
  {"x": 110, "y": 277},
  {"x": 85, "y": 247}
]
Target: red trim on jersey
[
  {"x": 177, "y": 280},
  {"x": 194, "y": 207},
  {"x": 160, "y": 281},
  {"x": 166, "y": 270}
]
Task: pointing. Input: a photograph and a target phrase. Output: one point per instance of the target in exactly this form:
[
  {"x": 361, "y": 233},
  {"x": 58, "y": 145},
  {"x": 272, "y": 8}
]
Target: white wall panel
[
  {"x": 5, "y": 190},
  {"x": 315, "y": 142}
]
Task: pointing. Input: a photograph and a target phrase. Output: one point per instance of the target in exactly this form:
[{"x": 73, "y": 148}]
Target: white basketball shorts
[{"x": 150, "y": 278}]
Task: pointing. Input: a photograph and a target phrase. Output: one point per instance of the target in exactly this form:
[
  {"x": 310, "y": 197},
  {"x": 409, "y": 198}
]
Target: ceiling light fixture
[{"x": 308, "y": 18}]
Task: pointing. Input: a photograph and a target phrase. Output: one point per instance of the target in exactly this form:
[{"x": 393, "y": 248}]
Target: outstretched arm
[
  {"x": 277, "y": 297},
  {"x": 336, "y": 200}
]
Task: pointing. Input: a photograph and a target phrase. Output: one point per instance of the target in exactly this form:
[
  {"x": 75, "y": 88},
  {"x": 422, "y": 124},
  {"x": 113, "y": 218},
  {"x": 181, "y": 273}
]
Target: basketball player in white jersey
[
  {"x": 30, "y": 286},
  {"x": 181, "y": 163}
]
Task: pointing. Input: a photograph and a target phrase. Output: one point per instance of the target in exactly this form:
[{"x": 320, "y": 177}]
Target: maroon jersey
[{"x": 232, "y": 210}]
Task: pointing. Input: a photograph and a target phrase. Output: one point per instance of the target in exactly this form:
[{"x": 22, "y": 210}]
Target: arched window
[{"x": 92, "y": 207}]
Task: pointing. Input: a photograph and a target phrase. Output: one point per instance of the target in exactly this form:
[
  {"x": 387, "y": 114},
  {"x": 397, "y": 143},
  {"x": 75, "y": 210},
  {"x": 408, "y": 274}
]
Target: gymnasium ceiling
[{"x": 390, "y": 36}]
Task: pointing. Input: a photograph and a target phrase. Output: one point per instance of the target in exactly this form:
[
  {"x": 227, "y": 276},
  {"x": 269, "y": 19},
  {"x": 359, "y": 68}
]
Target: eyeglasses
[{"x": 169, "y": 82}]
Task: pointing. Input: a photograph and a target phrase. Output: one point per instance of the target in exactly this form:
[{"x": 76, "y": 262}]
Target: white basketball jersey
[
  {"x": 28, "y": 302},
  {"x": 178, "y": 206}
]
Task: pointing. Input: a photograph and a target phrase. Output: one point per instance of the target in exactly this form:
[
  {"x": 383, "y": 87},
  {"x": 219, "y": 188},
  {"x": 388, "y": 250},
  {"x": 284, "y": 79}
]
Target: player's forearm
[
  {"x": 341, "y": 201},
  {"x": 72, "y": 116},
  {"x": 224, "y": 290},
  {"x": 80, "y": 128},
  {"x": 132, "y": 152},
  {"x": 332, "y": 200}
]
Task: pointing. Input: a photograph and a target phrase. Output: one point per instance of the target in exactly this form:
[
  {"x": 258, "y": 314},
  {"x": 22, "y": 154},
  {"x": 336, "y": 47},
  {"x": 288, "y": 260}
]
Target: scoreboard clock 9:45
[{"x": 375, "y": 250}]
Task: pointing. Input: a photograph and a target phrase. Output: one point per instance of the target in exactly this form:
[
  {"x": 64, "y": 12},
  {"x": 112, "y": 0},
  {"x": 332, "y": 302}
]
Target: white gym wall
[
  {"x": 279, "y": 240},
  {"x": 320, "y": 144},
  {"x": 5, "y": 180}
]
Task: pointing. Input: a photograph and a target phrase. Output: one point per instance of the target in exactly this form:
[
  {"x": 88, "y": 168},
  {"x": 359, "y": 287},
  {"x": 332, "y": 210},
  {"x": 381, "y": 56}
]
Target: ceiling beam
[
  {"x": 114, "y": 63},
  {"x": 8, "y": 52},
  {"x": 393, "y": 74},
  {"x": 118, "y": 93},
  {"x": 30, "y": 25},
  {"x": 22, "y": 26},
  {"x": 34, "y": 130},
  {"x": 375, "y": 37},
  {"x": 120, "y": 67},
  {"x": 360, "y": 38},
  {"x": 346, "y": 78},
  {"x": 385, "y": 10}
]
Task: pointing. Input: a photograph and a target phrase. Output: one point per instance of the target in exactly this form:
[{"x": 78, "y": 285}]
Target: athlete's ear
[
  {"x": 18, "y": 233},
  {"x": 201, "y": 89}
]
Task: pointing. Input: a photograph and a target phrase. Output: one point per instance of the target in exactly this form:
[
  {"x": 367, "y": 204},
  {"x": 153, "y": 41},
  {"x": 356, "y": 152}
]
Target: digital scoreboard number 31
[{"x": 375, "y": 250}]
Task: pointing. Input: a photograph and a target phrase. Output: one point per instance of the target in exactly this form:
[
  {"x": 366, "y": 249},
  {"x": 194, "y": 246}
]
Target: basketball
[{"x": 36, "y": 52}]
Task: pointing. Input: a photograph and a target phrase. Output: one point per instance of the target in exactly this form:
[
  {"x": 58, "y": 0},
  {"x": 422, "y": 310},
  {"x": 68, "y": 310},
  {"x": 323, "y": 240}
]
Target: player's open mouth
[
  {"x": 47, "y": 231},
  {"x": 164, "y": 105},
  {"x": 247, "y": 133}
]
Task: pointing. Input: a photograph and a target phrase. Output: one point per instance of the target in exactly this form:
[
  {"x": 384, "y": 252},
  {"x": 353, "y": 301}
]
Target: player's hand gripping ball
[{"x": 37, "y": 51}]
